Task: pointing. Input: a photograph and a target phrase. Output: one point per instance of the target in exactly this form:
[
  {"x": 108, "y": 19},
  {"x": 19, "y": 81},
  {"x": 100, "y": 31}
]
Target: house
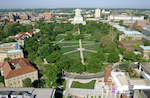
[{"x": 15, "y": 71}]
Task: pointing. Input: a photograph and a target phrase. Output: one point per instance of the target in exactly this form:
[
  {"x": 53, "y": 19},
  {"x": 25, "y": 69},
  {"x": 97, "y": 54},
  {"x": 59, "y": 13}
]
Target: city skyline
[{"x": 6, "y": 4}]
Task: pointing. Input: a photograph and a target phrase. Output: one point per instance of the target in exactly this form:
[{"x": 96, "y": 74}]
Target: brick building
[
  {"x": 24, "y": 16},
  {"x": 48, "y": 15},
  {"x": 128, "y": 45},
  {"x": 15, "y": 71}
]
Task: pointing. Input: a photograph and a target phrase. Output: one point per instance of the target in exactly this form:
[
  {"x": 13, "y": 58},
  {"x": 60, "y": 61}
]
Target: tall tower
[
  {"x": 78, "y": 12},
  {"x": 97, "y": 13}
]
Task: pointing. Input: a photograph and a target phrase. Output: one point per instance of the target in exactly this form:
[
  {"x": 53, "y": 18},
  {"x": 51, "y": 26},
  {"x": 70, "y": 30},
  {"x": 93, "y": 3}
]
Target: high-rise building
[
  {"x": 97, "y": 13},
  {"x": 78, "y": 12},
  {"x": 12, "y": 17},
  {"x": 48, "y": 15}
]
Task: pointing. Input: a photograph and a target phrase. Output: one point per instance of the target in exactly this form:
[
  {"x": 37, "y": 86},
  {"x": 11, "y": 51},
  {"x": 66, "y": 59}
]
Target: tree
[
  {"x": 94, "y": 65},
  {"x": 1, "y": 79},
  {"x": 129, "y": 56},
  {"x": 124, "y": 66},
  {"x": 38, "y": 83},
  {"x": 128, "y": 38},
  {"x": 52, "y": 58},
  {"x": 44, "y": 50},
  {"x": 27, "y": 83},
  {"x": 5, "y": 59},
  {"x": 105, "y": 40},
  {"x": 39, "y": 64},
  {"x": 77, "y": 37},
  {"x": 121, "y": 50},
  {"x": 121, "y": 23},
  {"x": 136, "y": 46},
  {"x": 82, "y": 36},
  {"x": 146, "y": 43},
  {"x": 69, "y": 36},
  {"x": 97, "y": 36},
  {"x": 139, "y": 56},
  {"x": 102, "y": 56},
  {"x": 77, "y": 67},
  {"x": 113, "y": 57},
  {"x": 51, "y": 72},
  {"x": 111, "y": 46}
]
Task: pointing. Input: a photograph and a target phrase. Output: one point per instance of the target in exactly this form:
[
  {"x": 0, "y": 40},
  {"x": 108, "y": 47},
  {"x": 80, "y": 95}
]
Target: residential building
[
  {"x": 97, "y": 13},
  {"x": 11, "y": 50},
  {"x": 48, "y": 15},
  {"x": 105, "y": 12},
  {"x": 128, "y": 45},
  {"x": 15, "y": 71}
]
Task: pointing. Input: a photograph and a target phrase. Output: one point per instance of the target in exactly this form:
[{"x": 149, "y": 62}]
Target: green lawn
[
  {"x": 74, "y": 55},
  {"x": 95, "y": 47},
  {"x": 90, "y": 38},
  {"x": 72, "y": 31},
  {"x": 63, "y": 50},
  {"x": 59, "y": 37},
  {"x": 90, "y": 85}
]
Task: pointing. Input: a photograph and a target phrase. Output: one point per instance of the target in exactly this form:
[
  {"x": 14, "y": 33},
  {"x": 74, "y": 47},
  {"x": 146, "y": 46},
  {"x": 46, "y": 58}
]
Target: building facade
[
  {"x": 97, "y": 13},
  {"x": 10, "y": 50},
  {"x": 48, "y": 15},
  {"x": 16, "y": 71},
  {"x": 145, "y": 50}
]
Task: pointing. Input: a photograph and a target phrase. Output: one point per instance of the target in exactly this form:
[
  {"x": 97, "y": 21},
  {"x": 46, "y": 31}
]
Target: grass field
[
  {"x": 74, "y": 55},
  {"x": 59, "y": 37},
  {"x": 64, "y": 50},
  {"x": 90, "y": 85}
]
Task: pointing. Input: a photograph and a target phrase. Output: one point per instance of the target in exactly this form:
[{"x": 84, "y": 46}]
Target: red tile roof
[
  {"x": 26, "y": 67},
  {"x": 30, "y": 32}
]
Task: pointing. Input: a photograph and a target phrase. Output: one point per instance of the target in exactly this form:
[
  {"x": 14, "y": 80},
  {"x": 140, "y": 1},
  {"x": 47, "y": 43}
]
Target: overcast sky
[{"x": 74, "y": 4}]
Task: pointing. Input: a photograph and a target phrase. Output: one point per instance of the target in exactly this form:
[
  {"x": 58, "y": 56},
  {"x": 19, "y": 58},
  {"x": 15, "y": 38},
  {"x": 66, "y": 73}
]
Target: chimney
[
  {"x": 107, "y": 72},
  {"x": 114, "y": 16},
  {"x": 132, "y": 16},
  {"x": 118, "y": 69}
]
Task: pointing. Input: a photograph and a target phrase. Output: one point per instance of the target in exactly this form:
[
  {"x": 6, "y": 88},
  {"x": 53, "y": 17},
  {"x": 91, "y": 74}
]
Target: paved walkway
[
  {"x": 81, "y": 52},
  {"x": 70, "y": 52},
  {"x": 91, "y": 51}
]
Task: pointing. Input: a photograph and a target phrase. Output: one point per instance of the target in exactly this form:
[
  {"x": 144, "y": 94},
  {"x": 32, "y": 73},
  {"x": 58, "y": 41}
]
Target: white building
[
  {"x": 78, "y": 12},
  {"x": 125, "y": 17},
  {"x": 78, "y": 19},
  {"x": 105, "y": 12},
  {"x": 97, "y": 13}
]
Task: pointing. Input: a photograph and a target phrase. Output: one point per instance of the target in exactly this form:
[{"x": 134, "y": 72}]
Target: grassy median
[{"x": 90, "y": 85}]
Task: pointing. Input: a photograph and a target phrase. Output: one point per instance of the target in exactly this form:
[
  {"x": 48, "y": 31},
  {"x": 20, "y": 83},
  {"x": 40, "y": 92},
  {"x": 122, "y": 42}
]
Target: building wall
[
  {"x": 140, "y": 23},
  {"x": 47, "y": 15},
  {"x": 15, "y": 55},
  {"x": 18, "y": 80},
  {"x": 129, "y": 50},
  {"x": 145, "y": 52},
  {"x": 3, "y": 55},
  {"x": 78, "y": 12},
  {"x": 78, "y": 18},
  {"x": 97, "y": 13}
]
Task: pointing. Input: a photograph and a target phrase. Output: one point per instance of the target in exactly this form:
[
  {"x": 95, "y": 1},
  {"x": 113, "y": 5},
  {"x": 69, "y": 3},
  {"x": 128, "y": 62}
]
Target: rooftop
[
  {"x": 16, "y": 67},
  {"x": 125, "y": 42},
  {"x": 92, "y": 19},
  {"x": 144, "y": 47},
  {"x": 129, "y": 31},
  {"x": 128, "y": 47},
  {"x": 78, "y": 22},
  {"x": 136, "y": 52},
  {"x": 122, "y": 79},
  {"x": 146, "y": 65},
  {"x": 137, "y": 82},
  {"x": 119, "y": 27}
]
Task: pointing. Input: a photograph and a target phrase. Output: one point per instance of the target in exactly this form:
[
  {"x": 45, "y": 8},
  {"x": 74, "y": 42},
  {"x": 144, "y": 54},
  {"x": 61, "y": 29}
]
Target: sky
[{"x": 4, "y": 4}]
